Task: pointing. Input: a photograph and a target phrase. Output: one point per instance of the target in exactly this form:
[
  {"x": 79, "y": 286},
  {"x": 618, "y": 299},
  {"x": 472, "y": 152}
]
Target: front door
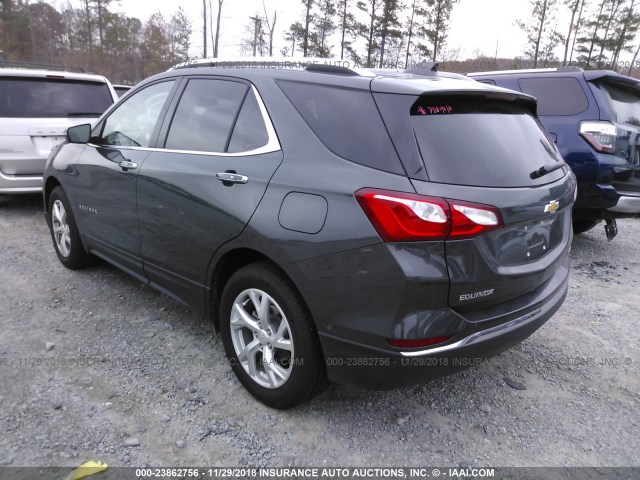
[{"x": 105, "y": 187}]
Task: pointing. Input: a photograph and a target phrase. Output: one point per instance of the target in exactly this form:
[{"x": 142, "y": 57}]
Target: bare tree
[
  {"x": 346, "y": 19},
  {"x": 575, "y": 6},
  {"x": 216, "y": 47},
  {"x": 204, "y": 28},
  {"x": 307, "y": 21},
  {"x": 576, "y": 31},
  {"x": 540, "y": 29},
  {"x": 271, "y": 26}
]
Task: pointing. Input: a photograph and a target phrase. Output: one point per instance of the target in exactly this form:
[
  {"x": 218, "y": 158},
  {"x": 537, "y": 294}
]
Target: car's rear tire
[
  {"x": 269, "y": 337},
  {"x": 581, "y": 226},
  {"x": 64, "y": 232}
]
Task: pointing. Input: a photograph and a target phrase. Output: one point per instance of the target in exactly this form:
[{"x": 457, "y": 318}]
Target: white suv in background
[{"x": 36, "y": 108}]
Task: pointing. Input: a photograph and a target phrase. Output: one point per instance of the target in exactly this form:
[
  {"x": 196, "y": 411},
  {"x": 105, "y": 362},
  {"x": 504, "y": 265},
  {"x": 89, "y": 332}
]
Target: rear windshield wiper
[
  {"x": 84, "y": 114},
  {"x": 545, "y": 169}
]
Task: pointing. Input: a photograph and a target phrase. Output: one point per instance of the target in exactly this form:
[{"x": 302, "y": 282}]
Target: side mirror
[{"x": 79, "y": 133}]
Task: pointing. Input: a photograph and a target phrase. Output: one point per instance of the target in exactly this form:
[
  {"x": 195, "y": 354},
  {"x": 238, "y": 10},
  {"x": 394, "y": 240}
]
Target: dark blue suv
[{"x": 594, "y": 118}]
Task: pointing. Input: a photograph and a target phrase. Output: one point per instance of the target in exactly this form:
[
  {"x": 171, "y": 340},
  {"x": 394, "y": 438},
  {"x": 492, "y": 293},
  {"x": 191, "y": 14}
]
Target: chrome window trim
[{"x": 272, "y": 145}]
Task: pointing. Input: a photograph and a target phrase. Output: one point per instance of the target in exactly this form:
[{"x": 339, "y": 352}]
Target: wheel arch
[
  {"x": 231, "y": 262},
  {"x": 50, "y": 184}
]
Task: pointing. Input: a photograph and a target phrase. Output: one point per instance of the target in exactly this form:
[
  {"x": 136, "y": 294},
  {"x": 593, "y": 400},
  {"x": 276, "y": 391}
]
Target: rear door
[
  {"x": 200, "y": 190},
  {"x": 482, "y": 148}
]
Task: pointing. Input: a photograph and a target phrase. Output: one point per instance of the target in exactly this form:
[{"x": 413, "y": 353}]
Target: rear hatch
[
  {"x": 479, "y": 150},
  {"x": 621, "y": 96},
  {"x": 35, "y": 113}
]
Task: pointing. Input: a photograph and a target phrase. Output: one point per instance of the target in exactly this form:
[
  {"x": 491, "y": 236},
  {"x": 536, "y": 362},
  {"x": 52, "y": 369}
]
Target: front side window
[
  {"x": 206, "y": 115},
  {"x": 133, "y": 122}
]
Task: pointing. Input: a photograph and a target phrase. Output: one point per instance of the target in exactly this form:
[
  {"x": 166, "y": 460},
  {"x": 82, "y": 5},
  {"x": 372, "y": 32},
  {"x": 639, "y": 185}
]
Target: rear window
[
  {"x": 624, "y": 102},
  {"x": 346, "y": 121},
  {"x": 556, "y": 96},
  {"x": 51, "y": 98},
  {"x": 479, "y": 142}
]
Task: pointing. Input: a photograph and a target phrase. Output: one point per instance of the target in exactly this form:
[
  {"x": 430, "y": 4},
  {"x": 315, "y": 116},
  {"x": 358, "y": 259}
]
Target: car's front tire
[
  {"x": 64, "y": 232},
  {"x": 269, "y": 337}
]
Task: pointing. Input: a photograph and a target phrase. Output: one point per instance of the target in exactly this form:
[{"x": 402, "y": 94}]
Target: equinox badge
[{"x": 552, "y": 206}]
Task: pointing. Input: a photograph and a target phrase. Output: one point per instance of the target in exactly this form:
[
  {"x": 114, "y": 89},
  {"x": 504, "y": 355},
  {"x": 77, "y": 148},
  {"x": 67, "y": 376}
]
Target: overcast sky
[{"x": 476, "y": 25}]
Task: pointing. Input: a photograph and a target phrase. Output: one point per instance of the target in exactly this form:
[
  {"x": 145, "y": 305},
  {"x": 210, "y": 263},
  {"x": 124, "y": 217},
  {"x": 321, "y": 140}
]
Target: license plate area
[
  {"x": 44, "y": 144},
  {"x": 529, "y": 242}
]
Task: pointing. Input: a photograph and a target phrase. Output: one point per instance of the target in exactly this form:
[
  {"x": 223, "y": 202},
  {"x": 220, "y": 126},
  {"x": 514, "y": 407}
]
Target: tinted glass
[
  {"x": 133, "y": 121},
  {"x": 476, "y": 142},
  {"x": 121, "y": 90},
  {"x": 624, "y": 102},
  {"x": 556, "y": 96},
  {"x": 205, "y": 115},
  {"x": 52, "y": 98},
  {"x": 346, "y": 121},
  {"x": 250, "y": 131}
]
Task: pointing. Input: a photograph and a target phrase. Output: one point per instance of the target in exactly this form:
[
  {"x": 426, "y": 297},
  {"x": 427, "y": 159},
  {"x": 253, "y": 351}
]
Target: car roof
[
  {"x": 56, "y": 74},
  {"x": 421, "y": 78}
]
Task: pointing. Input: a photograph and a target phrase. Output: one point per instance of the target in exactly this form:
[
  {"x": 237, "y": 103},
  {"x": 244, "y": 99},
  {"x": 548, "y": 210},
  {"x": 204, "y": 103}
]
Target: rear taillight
[
  {"x": 600, "y": 135},
  {"x": 406, "y": 217}
]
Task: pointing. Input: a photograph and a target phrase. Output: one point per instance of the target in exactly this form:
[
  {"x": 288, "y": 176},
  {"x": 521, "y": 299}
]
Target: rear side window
[
  {"x": 250, "y": 131},
  {"x": 52, "y": 98},
  {"x": 480, "y": 142},
  {"x": 624, "y": 102},
  {"x": 205, "y": 115},
  {"x": 556, "y": 96},
  {"x": 346, "y": 121}
]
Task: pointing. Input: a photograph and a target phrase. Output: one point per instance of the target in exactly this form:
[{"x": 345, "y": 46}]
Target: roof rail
[
  {"x": 570, "y": 68},
  {"x": 40, "y": 66},
  {"x": 320, "y": 65}
]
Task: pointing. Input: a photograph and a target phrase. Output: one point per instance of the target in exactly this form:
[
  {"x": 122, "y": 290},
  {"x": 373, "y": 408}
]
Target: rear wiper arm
[
  {"x": 82, "y": 114},
  {"x": 548, "y": 168}
]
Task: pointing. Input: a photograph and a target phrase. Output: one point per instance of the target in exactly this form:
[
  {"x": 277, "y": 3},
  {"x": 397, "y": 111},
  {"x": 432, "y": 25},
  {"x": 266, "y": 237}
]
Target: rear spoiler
[
  {"x": 610, "y": 76},
  {"x": 529, "y": 102}
]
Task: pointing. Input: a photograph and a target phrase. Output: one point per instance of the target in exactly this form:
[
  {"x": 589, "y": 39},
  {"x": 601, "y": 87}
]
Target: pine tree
[
  {"x": 323, "y": 23},
  {"x": 542, "y": 38}
]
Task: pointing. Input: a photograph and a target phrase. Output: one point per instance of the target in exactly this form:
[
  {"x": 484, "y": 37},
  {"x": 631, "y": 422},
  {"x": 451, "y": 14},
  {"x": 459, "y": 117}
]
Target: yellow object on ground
[{"x": 86, "y": 469}]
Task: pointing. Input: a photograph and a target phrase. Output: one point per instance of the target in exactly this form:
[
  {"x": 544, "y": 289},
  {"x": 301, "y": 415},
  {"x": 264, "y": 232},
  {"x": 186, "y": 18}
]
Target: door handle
[
  {"x": 127, "y": 165},
  {"x": 227, "y": 177}
]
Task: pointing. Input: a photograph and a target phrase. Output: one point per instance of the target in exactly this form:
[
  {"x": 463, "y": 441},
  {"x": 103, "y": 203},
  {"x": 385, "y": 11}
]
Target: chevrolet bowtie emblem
[{"x": 552, "y": 206}]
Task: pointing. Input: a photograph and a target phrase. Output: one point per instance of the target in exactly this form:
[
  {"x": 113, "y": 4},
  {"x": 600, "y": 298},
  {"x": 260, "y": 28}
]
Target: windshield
[
  {"x": 480, "y": 142},
  {"x": 52, "y": 98},
  {"x": 624, "y": 102}
]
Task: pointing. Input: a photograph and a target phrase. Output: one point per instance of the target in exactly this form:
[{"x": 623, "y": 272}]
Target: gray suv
[{"x": 371, "y": 228}]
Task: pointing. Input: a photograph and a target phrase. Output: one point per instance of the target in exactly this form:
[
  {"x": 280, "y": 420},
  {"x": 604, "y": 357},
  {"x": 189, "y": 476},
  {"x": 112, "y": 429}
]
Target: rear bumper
[
  {"x": 627, "y": 203},
  {"x": 20, "y": 183},
  {"x": 354, "y": 363}
]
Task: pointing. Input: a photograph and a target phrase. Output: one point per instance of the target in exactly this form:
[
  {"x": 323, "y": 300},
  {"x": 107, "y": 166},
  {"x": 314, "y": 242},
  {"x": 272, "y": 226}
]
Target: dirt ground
[{"x": 95, "y": 365}]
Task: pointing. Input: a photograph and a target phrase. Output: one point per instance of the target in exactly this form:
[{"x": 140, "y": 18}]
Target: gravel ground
[{"x": 95, "y": 365}]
